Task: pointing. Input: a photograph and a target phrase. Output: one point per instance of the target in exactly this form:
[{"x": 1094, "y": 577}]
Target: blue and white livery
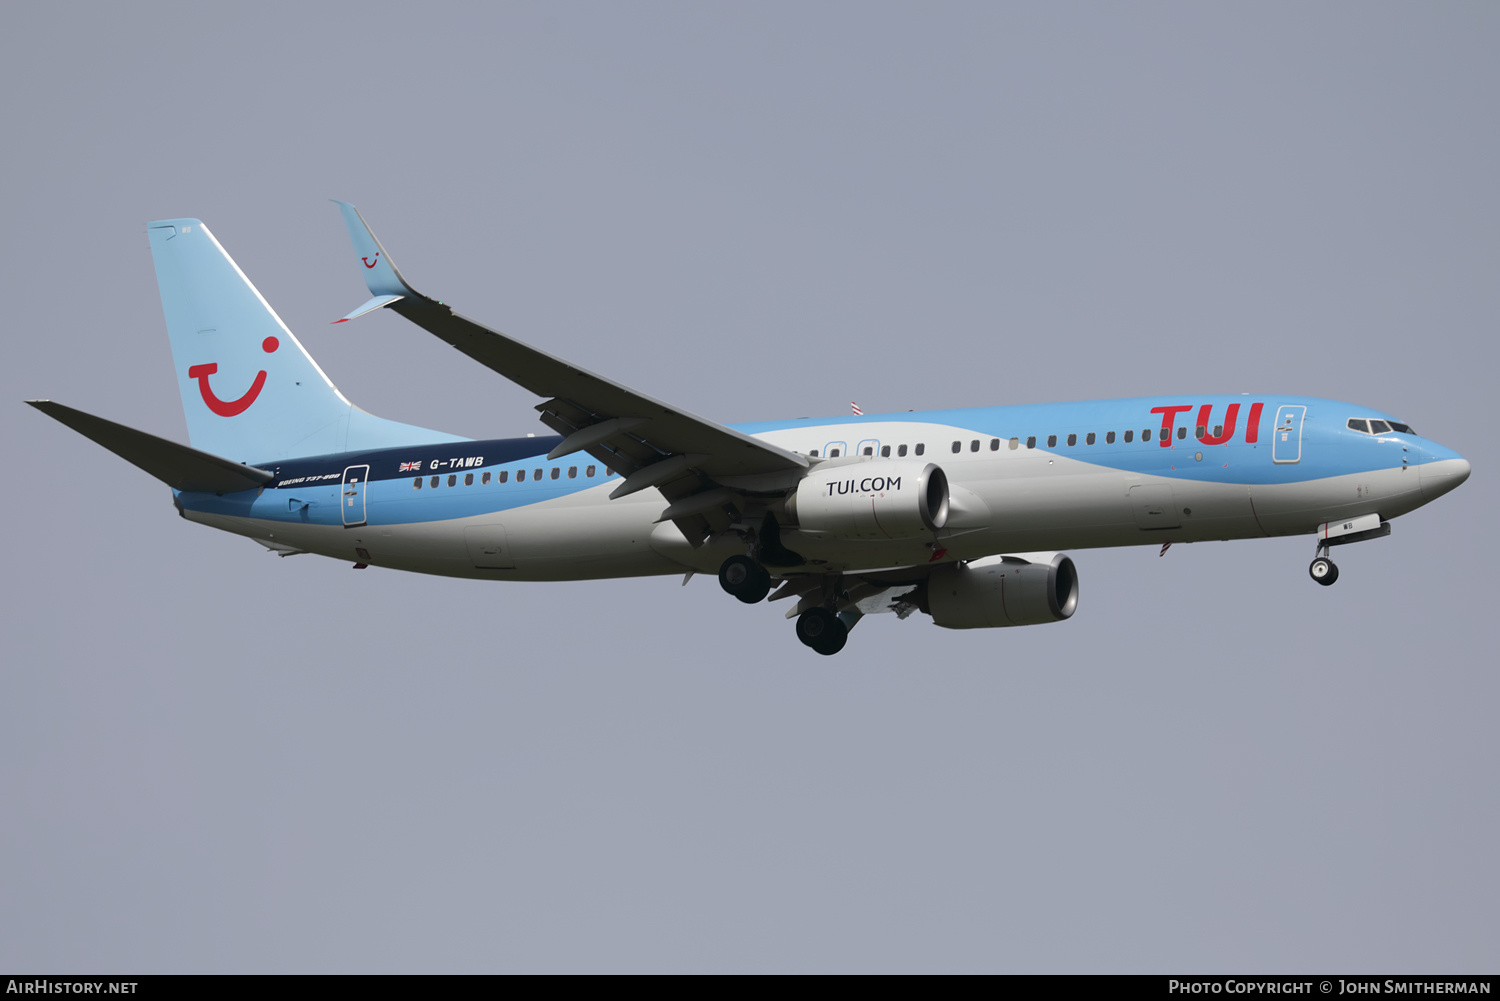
[{"x": 959, "y": 514}]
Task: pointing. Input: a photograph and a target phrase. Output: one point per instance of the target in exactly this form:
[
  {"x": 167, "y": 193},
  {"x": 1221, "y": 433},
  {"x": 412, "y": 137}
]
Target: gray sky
[{"x": 214, "y": 759}]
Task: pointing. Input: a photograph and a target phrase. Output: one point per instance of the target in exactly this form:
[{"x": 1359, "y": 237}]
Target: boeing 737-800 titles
[{"x": 959, "y": 514}]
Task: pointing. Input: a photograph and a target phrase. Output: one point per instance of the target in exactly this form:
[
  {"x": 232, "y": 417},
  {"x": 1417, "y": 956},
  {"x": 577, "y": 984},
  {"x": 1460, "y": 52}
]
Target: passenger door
[
  {"x": 353, "y": 501},
  {"x": 1286, "y": 446}
]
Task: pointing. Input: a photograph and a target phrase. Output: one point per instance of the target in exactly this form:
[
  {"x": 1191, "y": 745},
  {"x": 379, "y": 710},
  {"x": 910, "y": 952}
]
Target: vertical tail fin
[{"x": 250, "y": 391}]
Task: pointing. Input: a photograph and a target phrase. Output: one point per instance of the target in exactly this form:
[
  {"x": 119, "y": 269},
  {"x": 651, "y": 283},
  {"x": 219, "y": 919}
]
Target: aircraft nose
[{"x": 1442, "y": 475}]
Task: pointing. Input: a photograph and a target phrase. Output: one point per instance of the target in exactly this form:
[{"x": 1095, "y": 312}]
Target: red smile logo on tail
[{"x": 231, "y": 408}]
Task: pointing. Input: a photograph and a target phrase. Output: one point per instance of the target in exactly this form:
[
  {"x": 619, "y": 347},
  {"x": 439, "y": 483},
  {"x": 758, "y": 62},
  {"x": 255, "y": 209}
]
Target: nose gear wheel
[{"x": 1323, "y": 570}]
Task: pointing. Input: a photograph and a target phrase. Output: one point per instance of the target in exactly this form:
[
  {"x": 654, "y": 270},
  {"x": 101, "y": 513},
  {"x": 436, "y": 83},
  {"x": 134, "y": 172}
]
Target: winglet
[{"x": 381, "y": 275}]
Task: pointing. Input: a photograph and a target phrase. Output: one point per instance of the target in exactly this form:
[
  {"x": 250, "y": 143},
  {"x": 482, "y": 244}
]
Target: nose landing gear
[
  {"x": 1323, "y": 570},
  {"x": 1360, "y": 529}
]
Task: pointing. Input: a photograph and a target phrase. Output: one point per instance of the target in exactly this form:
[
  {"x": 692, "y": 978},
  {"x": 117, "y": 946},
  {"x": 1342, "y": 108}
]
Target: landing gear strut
[
  {"x": 744, "y": 578},
  {"x": 821, "y": 629}
]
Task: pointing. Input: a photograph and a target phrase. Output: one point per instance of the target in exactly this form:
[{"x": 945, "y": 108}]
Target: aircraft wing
[
  {"x": 688, "y": 458},
  {"x": 178, "y": 466}
]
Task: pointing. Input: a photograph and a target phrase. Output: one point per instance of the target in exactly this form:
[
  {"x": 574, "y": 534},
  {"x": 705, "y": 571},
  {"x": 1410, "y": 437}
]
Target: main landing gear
[
  {"x": 744, "y": 578},
  {"x": 822, "y": 630},
  {"x": 819, "y": 627}
]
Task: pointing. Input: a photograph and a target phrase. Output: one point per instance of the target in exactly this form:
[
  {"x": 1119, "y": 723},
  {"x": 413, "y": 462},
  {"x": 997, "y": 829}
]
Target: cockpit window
[{"x": 1373, "y": 426}]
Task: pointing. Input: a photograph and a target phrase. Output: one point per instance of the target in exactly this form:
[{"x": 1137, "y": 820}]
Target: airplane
[{"x": 963, "y": 515}]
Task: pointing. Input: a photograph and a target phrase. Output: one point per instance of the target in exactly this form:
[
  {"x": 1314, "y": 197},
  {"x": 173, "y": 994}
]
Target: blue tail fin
[{"x": 250, "y": 391}]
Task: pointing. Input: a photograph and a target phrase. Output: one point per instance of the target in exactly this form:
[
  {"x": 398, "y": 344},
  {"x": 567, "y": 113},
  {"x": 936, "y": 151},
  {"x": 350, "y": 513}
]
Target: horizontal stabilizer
[{"x": 178, "y": 466}]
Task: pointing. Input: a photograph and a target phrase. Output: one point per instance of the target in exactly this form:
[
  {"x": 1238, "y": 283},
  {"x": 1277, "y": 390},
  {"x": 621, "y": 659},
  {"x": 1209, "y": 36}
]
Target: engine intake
[
  {"x": 872, "y": 500},
  {"x": 1003, "y": 591}
]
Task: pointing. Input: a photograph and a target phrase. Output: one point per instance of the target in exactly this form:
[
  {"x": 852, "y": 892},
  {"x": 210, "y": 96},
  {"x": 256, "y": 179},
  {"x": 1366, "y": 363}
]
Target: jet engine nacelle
[
  {"x": 1003, "y": 591},
  {"x": 872, "y": 500}
]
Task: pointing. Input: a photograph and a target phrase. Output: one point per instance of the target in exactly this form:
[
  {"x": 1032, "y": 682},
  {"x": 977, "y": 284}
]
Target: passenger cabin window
[
  {"x": 921, "y": 447},
  {"x": 484, "y": 479},
  {"x": 434, "y": 483},
  {"x": 900, "y": 449},
  {"x": 1181, "y": 433},
  {"x": 1109, "y": 437},
  {"x": 1072, "y": 440},
  {"x": 869, "y": 450},
  {"x": 1090, "y": 438},
  {"x": 468, "y": 479},
  {"x": 502, "y": 476},
  {"x": 520, "y": 476},
  {"x": 572, "y": 472},
  {"x": 958, "y": 446},
  {"x": 885, "y": 451},
  {"x": 536, "y": 474},
  {"x": 1218, "y": 430},
  {"x": 974, "y": 445},
  {"x": 453, "y": 479},
  {"x": 1031, "y": 442},
  {"x": 1015, "y": 443},
  {"x": 1052, "y": 441},
  {"x": 1129, "y": 436},
  {"x": 833, "y": 453},
  {"x": 1199, "y": 432},
  {"x": 813, "y": 453},
  {"x": 416, "y": 484},
  {"x": 556, "y": 472},
  {"x": 589, "y": 472},
  {"x": 1146, "y": 434}
]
